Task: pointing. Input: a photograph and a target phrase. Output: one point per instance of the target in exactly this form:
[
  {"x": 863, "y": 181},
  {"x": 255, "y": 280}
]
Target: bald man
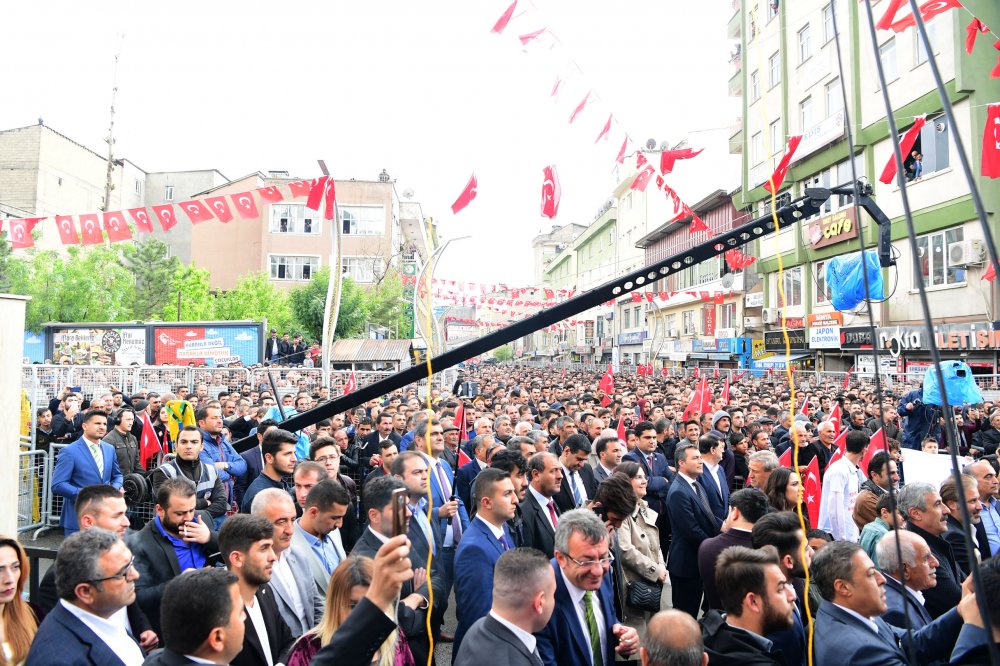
[{"x": 672, "y": 637}]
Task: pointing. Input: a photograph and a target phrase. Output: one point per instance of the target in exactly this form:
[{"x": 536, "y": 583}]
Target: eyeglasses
[
  {"x": 589, "y": 564},
  {"x": 121, "y": 574},
  {"x": 326, "y": 459}
]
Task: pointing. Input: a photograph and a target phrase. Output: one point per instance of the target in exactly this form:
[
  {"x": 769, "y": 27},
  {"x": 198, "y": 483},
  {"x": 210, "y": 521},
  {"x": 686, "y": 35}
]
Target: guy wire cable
[
  {"x": 871, "y": 316},
  {"x": 949, "y": 415},
  {"x": 784, "y": 327}
]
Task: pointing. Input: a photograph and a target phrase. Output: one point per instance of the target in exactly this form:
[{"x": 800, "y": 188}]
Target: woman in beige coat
[{"x": 639, "y": 544}]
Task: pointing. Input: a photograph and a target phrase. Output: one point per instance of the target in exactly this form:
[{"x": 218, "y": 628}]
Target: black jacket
[
  {"x": 47, "y": 597},
  {"x": 730, "y": 646},
  {"x": 956, "y": 538},
  {"x": 944, "y": 596},
  {"x": 537, "y": 529},
  {"x": 279, "y": 636},
  {"x": 358, "y": 639},
  {"x": 166, "y": 657}
]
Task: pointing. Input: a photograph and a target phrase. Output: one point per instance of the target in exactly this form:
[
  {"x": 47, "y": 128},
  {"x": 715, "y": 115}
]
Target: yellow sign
[{"x": 757, "y": 350}]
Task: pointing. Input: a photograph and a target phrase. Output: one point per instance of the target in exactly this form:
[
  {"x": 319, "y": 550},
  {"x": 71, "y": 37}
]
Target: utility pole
[{"x": 108, "y": 184}]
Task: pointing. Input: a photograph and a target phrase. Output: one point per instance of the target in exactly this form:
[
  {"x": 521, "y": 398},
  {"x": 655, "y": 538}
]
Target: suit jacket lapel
[
  {"x": 564, "y": 604},
  {"x": 506, "y": 635},
  {"x": 251, "y": 640}
]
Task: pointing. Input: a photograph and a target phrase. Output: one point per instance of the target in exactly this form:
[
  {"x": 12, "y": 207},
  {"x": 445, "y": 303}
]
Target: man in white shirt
[
  {"x": 524, "y": 587},
  {"x": 81, "y": 628},
  {"x": 298, "y": 597},
  {"x": 841, "y": 486},
  {"x": 246, "y": 544}
]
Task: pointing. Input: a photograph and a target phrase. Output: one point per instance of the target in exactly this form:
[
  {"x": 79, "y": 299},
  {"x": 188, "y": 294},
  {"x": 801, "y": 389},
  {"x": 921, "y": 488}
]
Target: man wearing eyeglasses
[
  {"x": 80, "y": 629},
  {"x": 583, "y": 628}
]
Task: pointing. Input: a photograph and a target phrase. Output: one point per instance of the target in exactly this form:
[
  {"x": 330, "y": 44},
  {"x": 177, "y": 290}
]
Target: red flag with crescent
[
  {"x": 220, "y": 207},
  {"x": 141, "y": 218},
  {"x": 300, "y": 188},
  {"x": 270, "y": 193},
  {"x": 905, "y": 146},
  {"x": 245, "y": 206},
  {"x": 91, "y": 227},
  {"x": 196, "y": 211},
  {"x": 19, "y": 232},
  {"x": 812, "y": 490},
  {"x": 551, "y": 192},
  {"x": 67, "y": 230},
  {"x": 117, "y": 228},
  {"x": 165, "y": 214},
  {"x": 467, "y": 195}
]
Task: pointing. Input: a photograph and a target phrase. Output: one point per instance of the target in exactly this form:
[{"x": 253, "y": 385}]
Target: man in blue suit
[
  {"x": 467, "y": 473},
  {"x": 713, "y": 480},
  {"x": 80, "y": 630},
  {"x": 481, "y": 547},
  {"x": 849, "y": 629},
  {"x": 87, "y": 461},
  {"x": 915, "y": 573},
  {"x": 583, "y": 629},
  {"x": 654, "y": 464},
  {"x": 692, "y": 522}
]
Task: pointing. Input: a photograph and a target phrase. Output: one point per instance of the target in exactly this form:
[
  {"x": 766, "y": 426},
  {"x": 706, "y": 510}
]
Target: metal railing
[{"x": 32, "y": 489}]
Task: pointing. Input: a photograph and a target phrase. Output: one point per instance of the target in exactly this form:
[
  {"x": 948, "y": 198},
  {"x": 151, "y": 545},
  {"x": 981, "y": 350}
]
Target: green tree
[
  {"x": 7, "y": 264},
  {"x": 355, "y": 309},
  {"x": 256, "y": 297},
  {"x": 504, "y": 353},
  {"x": 154, "y": 272},
  {"x": 196, "y": 300},
  {"x": 386, "y": 300},
  {"x": 308, "y": 303}
]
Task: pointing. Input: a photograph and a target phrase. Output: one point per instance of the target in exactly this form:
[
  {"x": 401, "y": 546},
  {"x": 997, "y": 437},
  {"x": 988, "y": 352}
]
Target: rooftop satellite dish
[
  {"x": 609, "y": 203},
  {"x": 727, "y": 281},
  {"x": 408, "y": 193},
  {"x": 650, "y": 144}
]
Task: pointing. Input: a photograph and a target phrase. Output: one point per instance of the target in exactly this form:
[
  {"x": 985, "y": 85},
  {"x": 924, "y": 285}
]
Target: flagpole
[{"x": 331, "y": 308}]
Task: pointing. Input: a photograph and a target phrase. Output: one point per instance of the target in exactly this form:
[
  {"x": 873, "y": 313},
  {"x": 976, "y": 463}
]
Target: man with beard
[
  {"x": 245, "y": 542},
  {"x": 278, "y": 449},
  {"x": 952, "y": 498},
  {"x": 758, "y": 600},
  {"x": 882, "y": 473},
  {"x": 210, "y": 493}
]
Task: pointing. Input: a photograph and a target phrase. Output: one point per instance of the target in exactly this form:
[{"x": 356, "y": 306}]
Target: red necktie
[{"x": 552, "y": 514}]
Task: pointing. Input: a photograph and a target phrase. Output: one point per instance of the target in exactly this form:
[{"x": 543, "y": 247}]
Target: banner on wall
[
  {"x": 99, "y": 346},
  {"x": 212, "y": 346}
]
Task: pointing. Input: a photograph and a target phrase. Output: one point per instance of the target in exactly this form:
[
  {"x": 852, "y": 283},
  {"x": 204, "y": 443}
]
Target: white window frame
[
  {"x": 927, "y": 241},
  {"x": 301, "y": 221},
  {"x": 805, "y": 43},
  {"x": 789, "y": 279},
  {"x": 754, "y": 86},
  {"x": 687, "y": 320},
  {"x": 806, "y": 121},
  {"x": 168, "y": 193},
  {"x": 828, "y": 23},
  {"x": 377, "y": 267},
  {"x": 819, "y": 274},
  {"x": 774, "y": 69},
  {"x": 271, "y": 258},
  {"x": 757, "y": 148},
  {"x": 889, "y": 65},
  {"x": 138, "y": 186},
  {"x": 837, "y": 99},
  {"x": 371, "y": 226},
  {"x": 727, "y": 316},
  {"x": 919, "y": 55},
  {"x": 776, "y": 137}
]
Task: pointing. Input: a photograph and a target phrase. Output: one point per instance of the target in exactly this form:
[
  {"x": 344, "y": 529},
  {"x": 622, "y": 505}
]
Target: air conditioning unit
[
  {"x": 964, "y": 253},
  {"x": 771, "y": 315},
  {"x": 673, "y": 334},
  {"x": 752, "y": 322}
]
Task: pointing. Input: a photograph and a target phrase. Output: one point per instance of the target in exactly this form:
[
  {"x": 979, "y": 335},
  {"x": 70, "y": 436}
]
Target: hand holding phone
[{"x": 399, "y": 512}]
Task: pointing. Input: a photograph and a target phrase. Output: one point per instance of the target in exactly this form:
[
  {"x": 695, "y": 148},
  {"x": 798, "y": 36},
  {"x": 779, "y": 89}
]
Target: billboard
[
  {"x": 124, "y": 345},
  {"x": 206, "y": 345}
]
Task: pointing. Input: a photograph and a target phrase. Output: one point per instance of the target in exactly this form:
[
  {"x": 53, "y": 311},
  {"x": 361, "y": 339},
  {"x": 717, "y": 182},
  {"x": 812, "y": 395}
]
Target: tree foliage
[
  {"x": 154, "y": 271},
  {"x": 196, "y": 302},
  {"x": 256, "y": 297},
  {"x": 504, "y": 353},
  {"x": 308, "y": 304}
]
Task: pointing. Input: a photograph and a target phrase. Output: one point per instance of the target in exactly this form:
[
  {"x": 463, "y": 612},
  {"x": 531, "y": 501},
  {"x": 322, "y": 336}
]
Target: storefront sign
[
  {"x": 755, "y": 300},
  {"x": 855, "y": 337},
  {"x": 826, "y": 131},
  {"x": 99, "y": 346},
  {"x": 631, "y": 338},
  {"x": 775, "y": 340},
  {"x": 826, "y": 319},
  {"x": 795, "y": 322},
  {"x": 824, "y": 337},
  {"x": 864, "y": 364},
  {"x": 709, "y": 320},
  {"x": 758, "y": 350},
  {"x": 832, "y": 229}
]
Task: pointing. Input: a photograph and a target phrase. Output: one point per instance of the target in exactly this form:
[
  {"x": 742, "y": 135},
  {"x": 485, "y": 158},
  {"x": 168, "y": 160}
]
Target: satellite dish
[
  {"x": 650, "y": 144},
  {"x": 609, "y": 203},
  {"x": 727, "y": 281},
  {"x": 408, "y": 193},
  {"x": 664, "y": 145}
]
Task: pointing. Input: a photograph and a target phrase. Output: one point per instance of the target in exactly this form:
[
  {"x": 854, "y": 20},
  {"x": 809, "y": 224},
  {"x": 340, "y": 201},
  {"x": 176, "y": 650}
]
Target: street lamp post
[{"x": 431, "y": 261}]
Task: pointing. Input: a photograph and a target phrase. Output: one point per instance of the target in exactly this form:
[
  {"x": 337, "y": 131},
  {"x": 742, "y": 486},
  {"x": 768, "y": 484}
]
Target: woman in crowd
[
  {"x": 784, "y": 491},
  {"x": 18, "y": 620},
  {"x": 348, "y": 585},
  {"x": 639, "y": 543},
  {"x": 160, "y": 426}
]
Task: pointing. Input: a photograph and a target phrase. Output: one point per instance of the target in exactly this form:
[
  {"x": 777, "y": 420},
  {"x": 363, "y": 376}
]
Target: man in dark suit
[
  {"x": 371, "y": 445},
  {"x": 539, "y": 512},
  {"x": 955, "y": 535},
  {"x": 245, "y": 542},
  {"x": 658, "y": 474},
  {"x": 610, "y": 452},
  {"x": 467, "y": 473},
  {"x": 914, "y": 574},
  {"x": 583, "y": 628},
  {"x": 692, "y": 521},
  {"x": 523, "y": 596},
  {"x": 284, "y": 350},
  {"x": 746, "y": 507},
  {"x": 176, "y": 539},
  {"x": 272, "y": 348},
  {"x": 578, "y": 485},
  {"x": 481, "y": 547},
  {"x": 713, "y": 480},
  {"x": 86, "y": 462},
  {"x": 849, "y": 581},
  {"x": 926, "y": 515},
  {"x": 78, "y": 631},
  {"x": 193, "y": 604}
]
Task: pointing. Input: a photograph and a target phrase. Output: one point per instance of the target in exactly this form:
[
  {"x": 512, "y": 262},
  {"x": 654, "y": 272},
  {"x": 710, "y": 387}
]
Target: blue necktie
[
  {"x": 505, "y": 542},
  {"x": 576, "y": 490}
]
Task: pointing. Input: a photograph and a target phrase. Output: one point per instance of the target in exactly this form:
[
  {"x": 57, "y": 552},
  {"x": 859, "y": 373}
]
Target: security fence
[{"x": 32, "y": 489}]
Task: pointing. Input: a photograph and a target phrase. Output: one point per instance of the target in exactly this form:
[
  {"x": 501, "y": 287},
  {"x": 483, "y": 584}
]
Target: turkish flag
[
  {"x": 246, "y": 207},
  {"x": 641, "y": 370},
  {"x": 351, "y": 384},
  {"x": 669, "y": 157},
  {"x": 696, "y": 403},
  {"x": 460, "y": 422},
  {"x": 467, "y": 195},
  {"x": 778, "y": 177},
  {"x": 463, "y": 457},
  {"x": 300, "y": 188},
  {"x": 117, "y": 228},
  {"x": 551, "y": 192},
  {"x": 928, "y": 11},
  {"x": 196, "y": 211},
  {"x": 270, "y": 193},
  {"x": 991, "y": 142},
  {"x": 67, "y": 230},
  {"x": 805, "y": 406},
  {"x": 149, "y": 446},
  {"x": 504, "y": 19},
  {"x": 697, "y": 224},
  {"x": 607, "y": 383},
  {"x": 141, "y": 218},
  {"x": 972, "y": 31},
  {"x": 785, "y": 459},
  {"x": 622, "y": 434},
  {"x": 91, "y": 226},
  {"x": 725, "y": 391},
  {"x": 316, "y": 193},
  {"x": 220, "y": 207},
  {"x": 604, "y": 130},
  {"x": 527, "y": 37},
  {"x": 905, "y": 146},
  {"x": 875, "y": 444},
  {"x": 330, "y": 195},
  {"x": 847, "y": 377},
  {"x": 718, "y": 298},
  {"x": 19, "y": 232},
  {"x": 642, "y": 179},
  {"x": 990, "y": 273},
  {"x": 579, "y": 107},
  {"x": 836, "y": 418},
  {"x": 812, "y": 490},
  {"x": 165, "y": 214},
  {"x": 621, "y": 153}
]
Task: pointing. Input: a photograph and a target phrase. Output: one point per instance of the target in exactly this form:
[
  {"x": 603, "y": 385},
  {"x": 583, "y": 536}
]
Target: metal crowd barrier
[{"x": 32, "y": 489}]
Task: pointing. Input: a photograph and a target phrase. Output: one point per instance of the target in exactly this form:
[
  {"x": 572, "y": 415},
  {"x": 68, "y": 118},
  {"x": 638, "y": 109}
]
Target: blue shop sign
[{"x": 631, "y": 338}]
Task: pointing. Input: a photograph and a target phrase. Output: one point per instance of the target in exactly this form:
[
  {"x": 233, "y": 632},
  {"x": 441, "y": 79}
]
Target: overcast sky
[{"x": 420, "y": 88}]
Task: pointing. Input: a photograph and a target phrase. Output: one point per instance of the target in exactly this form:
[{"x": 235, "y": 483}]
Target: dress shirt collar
[
  {"x": 540, "y": 498},
  {"x": 497, "y": 531},
  {"x": 575, "y": 593},
  {"x": 918, "y": 595},
  {"x": 378, "y": 535},
  {"x": 482, "y": 465},
  {"x": 765, "y": 644},
  {"x": 526, "y": 638},
  {"x": 866, "y": 620},
  {"x": 606, "y": 470}
]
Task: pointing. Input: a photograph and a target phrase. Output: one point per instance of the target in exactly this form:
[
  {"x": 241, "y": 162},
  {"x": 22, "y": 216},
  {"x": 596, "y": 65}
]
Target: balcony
[
  {"x": 736, "y": 84},
  {"x": 735, "y": 25},
  {"x": 736, "y": 137}
]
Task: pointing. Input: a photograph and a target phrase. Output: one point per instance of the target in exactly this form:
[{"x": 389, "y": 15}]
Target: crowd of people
[{"x": 564, "y": 523}]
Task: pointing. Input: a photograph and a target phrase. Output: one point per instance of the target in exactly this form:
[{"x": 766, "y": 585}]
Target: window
[
  {"x": 820, "y": 282},
  {"x": 931, "y": 147},
  {"x": 756, "y": 149},
  {"x": 934, "y": 265},
  {"x": 806, "y": 114},
  {"x": 626, "y": 319},
  {"x": 844, "y": 176},
  {"x": 727, "y": 316},
  {"x": 293, "y": 267},
  {"x": 688, "y": 318},
  {"x": 792, "y": 283},
  {"x": 772, "y": 9},
  {"x": 776, "y": 138},
  {"x": 828, "y": 23},
  {"x": 363, "y": 220},
  {"x": 921, "y": 55},
  {"x": 168, "y": 193},
  {"x": 774, "y": 70},
  {"x": 834, "y": 98},
  {"x": 294, "y": 219},
  {"x": 362, "y": 269},
  {"x": 805, "y": 46},
  {"x": 671, "y": 322},
  {"x": 754, "y": 86},
  {"x": 638, "y": 318},
  {"x": 887, "y": 53},
  {"x": 138, "y": 186}
]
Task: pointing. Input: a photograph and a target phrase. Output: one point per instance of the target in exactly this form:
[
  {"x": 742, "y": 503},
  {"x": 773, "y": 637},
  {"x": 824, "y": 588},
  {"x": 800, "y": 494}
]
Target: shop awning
[{"x": 778, "y": 361}]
